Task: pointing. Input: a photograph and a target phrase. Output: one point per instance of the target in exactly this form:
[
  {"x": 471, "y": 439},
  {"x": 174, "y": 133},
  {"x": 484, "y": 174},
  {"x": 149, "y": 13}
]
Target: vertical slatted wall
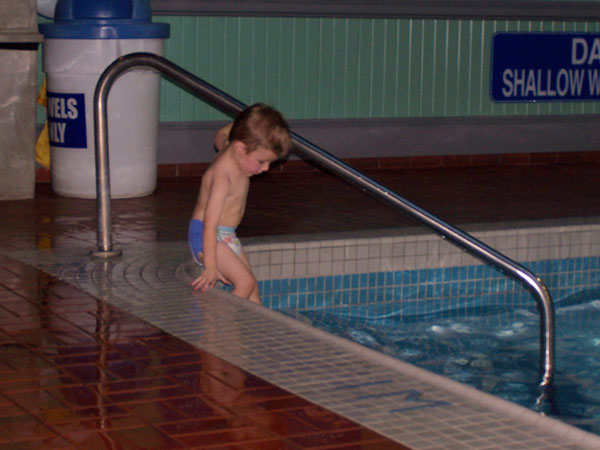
[{"x": 349, "y": 68}]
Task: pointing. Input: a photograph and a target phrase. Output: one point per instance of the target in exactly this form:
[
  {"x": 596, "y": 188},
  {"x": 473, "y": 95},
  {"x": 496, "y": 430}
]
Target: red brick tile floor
[{"x": 76, "y": 372}]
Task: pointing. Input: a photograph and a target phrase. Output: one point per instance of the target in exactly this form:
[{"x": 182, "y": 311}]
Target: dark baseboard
[
  {"x": 185, "y": 148},
  {"x": 392, "y": 163},
  {"x": 191, "y": 142}
]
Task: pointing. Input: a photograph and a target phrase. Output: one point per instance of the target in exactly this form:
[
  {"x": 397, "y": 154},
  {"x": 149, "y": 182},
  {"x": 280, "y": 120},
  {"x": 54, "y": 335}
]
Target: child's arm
[
  {"x": 216, "y": 199},
  {"x": 222, "y": 137}
]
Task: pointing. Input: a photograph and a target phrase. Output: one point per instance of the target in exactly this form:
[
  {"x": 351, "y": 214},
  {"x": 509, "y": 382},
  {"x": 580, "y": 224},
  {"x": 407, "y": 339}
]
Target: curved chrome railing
[{"x": 308, "y": 150}]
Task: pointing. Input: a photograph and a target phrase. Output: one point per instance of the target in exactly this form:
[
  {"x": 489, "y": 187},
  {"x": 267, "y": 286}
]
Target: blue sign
[
  {"x": 66, "y": 120},
  {"x": 545, "y": 66}
]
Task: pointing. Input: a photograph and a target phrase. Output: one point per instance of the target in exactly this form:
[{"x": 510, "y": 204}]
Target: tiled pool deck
[{"x": 123, "y": 355}]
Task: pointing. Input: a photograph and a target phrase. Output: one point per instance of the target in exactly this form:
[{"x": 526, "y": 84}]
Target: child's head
[{"x": 261, "y": 126}]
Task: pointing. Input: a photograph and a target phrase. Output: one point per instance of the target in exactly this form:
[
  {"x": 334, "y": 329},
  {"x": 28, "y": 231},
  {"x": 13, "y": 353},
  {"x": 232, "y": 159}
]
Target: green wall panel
[
  {"x": 314, "y": 68},
  {"x": 321, "y": 68}
]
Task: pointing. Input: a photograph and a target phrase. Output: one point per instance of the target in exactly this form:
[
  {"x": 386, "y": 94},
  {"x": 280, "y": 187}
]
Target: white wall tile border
[{"x": 410, "y": 249}]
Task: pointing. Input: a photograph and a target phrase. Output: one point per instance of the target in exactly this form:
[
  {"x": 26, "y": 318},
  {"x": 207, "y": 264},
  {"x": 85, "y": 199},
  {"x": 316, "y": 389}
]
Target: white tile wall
[{"x": 391, "y": 250}]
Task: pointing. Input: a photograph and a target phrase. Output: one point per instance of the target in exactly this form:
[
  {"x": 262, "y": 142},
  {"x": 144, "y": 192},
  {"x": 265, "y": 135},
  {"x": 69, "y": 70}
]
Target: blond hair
[{"x": 260, "y": 125}]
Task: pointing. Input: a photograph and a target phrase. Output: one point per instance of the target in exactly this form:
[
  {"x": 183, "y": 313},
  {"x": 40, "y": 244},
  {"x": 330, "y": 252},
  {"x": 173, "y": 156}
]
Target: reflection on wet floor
[{"x": 76, "y": 372}]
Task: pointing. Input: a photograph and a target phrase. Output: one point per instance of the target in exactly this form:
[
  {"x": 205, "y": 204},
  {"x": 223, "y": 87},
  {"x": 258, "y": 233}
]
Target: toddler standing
[{"x": 258, "y": 136}]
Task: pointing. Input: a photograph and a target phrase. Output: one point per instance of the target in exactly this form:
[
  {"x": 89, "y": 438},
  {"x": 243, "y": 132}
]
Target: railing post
[{"x": 104, "y": 230}]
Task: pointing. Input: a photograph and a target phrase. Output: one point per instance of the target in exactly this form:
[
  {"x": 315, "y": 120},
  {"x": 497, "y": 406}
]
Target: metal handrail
[{"x": 303, "y": 148}]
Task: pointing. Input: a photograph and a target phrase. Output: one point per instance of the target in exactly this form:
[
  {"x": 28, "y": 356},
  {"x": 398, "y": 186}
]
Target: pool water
[{"x": 494, "y": 348}]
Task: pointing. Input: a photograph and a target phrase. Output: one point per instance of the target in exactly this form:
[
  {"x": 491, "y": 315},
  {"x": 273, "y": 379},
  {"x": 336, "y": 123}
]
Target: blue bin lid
[{"x": 104, "y": 19}]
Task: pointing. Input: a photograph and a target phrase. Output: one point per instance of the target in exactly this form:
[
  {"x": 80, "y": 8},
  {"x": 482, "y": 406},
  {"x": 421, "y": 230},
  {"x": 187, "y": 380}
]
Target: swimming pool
[{"x": 419, "y": 299}]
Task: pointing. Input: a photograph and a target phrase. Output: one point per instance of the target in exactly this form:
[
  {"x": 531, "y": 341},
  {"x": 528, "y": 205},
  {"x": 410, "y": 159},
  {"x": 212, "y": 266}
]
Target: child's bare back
[{"x": 223, "y": 175}]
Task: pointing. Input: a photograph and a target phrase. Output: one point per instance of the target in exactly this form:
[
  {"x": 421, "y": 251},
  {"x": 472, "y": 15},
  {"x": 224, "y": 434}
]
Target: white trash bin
[{"x": 84, "y": 39}]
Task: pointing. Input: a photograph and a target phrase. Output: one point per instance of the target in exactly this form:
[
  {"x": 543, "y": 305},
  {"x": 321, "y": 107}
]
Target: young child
[{"x": 257, "y": 137}]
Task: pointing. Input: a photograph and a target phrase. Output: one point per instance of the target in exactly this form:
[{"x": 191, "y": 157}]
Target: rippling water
[{"x": 495, "y": 349}]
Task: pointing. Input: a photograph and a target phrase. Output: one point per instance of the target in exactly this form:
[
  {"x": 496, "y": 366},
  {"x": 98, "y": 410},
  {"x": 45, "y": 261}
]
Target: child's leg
[
  {"x": 254, "y": 294},
  {"x": 237, "y": 271}
]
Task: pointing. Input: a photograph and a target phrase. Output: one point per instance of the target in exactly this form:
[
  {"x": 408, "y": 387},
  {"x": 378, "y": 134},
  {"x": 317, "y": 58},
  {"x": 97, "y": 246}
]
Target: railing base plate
[{"x": 106, "y": 254}]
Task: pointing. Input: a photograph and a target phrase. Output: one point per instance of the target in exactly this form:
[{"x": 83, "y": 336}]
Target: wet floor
[{"x": 76, "y": 372}]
